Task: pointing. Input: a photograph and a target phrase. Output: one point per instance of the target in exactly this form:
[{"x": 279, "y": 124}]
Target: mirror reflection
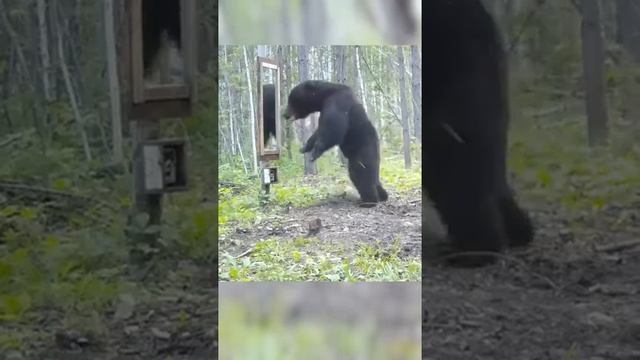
[
  {"x": 161, "y": 36},
  {"x": 269, "y": 106}
]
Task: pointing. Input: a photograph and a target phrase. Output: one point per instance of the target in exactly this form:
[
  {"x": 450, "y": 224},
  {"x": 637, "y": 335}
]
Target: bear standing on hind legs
[
  {"x": 342, "y": 122},
  {"x": 465, "y": 131}
]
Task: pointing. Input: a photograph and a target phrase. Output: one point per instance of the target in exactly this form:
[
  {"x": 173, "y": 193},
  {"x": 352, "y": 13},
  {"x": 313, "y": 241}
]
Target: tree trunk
[
  {"x": 359, "y": 79},
  {"x": 44, "y": 50},
  {"x": 593, "y": 70},
  {"x": 240, "y": 116},
  {"x": 628, "y": 26},
  {"x": 416, "y": 91},
  {"x": 341, "y": 78},
  {"x": 286, "y": 85},
  {"x": 253, "y": 114},
  {"x": 16, "y": 42},
  {"x": 114, "y": 87},
  {"x": 403, "y": 108},
  {"x": 307, "y": 127},
  {"x": 314, "y": 18},
  {"x": 72, "y": 96}
]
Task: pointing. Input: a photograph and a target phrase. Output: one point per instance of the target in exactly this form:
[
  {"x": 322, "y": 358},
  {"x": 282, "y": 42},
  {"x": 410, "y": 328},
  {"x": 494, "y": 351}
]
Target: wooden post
[
  {"x": 145, "y": 203},
  {"x": 145, "y": 104}
]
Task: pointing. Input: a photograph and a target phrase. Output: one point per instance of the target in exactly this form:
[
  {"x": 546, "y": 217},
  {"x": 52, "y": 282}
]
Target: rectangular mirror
[
  {"x": 162, "y": 38},
  {"x": 269, "y": 108}
]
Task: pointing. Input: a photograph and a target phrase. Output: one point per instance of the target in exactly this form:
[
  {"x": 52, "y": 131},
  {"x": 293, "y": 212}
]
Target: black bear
[
  {"x": 269, "y": 101},
  {"x": 342, "y": 122},
  {"x": 465, "y": 131}
]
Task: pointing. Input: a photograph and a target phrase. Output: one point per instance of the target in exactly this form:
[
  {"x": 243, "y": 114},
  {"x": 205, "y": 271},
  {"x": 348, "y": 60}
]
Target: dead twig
[
  {"x": 55, "y": 193},
  {"x": 618, "y": 246},
  {"x": 248, "y": 252}
]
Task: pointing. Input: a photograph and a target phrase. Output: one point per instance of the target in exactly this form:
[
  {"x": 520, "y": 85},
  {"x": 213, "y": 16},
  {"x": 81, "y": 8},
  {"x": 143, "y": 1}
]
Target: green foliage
[
  {"x": 557, "y": 169},
  {"x": 68, "y": 250},
  {"x": 10, "y": 341},
  {"x": 308, "y": 258},
  {"x": 242, "y": 338},
  {"x": 190, "y": 229},
  {"x": 402, "y": 180},
  {"x": 311, "y": 259}
]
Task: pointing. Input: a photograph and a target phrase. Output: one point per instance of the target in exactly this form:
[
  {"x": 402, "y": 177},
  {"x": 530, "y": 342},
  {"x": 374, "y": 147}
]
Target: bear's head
[{"x": 308, "y": 97}]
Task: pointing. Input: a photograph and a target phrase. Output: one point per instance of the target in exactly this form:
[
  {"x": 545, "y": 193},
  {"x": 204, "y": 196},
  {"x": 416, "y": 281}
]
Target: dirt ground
[
  {"x": 342, "y": 222},
  {"x": 567, "y": 297},
  {"x": 176, "y": 319}
]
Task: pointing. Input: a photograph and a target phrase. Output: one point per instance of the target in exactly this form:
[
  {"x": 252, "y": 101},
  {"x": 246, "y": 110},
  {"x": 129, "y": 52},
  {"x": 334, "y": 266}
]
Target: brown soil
[
  {"x": 342, "y": 222},
  {"x": 174, "y": 317},
  {"x": 564, "y": 298}
]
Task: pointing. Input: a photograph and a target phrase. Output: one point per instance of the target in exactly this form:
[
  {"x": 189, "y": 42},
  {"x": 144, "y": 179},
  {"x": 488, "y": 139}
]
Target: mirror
[
  {"x": 162, "y": 38},
  {"x": 270, "y": 108}
]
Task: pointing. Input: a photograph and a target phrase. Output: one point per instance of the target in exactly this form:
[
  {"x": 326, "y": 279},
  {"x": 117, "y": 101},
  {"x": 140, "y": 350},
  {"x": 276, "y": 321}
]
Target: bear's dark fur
[
  {"x": 465, "y": 130},
  {"x": 342, "y": 122},
  {"x": 269, "y": 101}
]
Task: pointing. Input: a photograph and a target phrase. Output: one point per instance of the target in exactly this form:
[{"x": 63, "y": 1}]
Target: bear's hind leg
[
  {"x": 382, "y": 193},
  {"x": 473, "y": 224},
  {"x": 517, "y": 223},
  {"x": 362, "y": 178}
]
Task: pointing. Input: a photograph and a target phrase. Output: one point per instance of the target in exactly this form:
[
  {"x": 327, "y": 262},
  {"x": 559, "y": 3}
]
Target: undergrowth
[
  {"x": 242, "y": 206},
  {"x": 551, "y": 167},
  {"x": 274, "y": 338},
  {"x": 308, "y": 259},
  {"x": 63, "y": 245}
]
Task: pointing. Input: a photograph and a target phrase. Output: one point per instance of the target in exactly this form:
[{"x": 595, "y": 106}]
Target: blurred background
[
  {"x": 320, "y": 22},
  {"x": 319, "y": 321},
  {"x": 66, "y": 195}
]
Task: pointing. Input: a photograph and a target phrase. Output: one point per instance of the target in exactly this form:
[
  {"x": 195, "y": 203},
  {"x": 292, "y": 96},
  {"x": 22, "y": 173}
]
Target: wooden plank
[
  {"x": 155, "y": 110},
  {"x": 166, "y": 92},
  {"x": 259, "y": 112},
  {"x": 264, "y": 153},
  {"x": 277, "y": 111},
  {"x": 269, "y": 157}
]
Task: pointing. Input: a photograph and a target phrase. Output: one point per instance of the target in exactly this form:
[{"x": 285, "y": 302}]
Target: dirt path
[
  {"x": 343, "y": 222},
  {"x": 176, "y": 319},
  {"x": 562, "y": 299}
]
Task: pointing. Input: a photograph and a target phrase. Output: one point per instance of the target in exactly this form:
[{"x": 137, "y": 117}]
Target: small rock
[
  {"x": 211, "y": 333},
  {"x": 14, "y": 355},
  {"x": 614, "y": 289},
  {"x": 160, "y": 334},
  {"x": 130, "y": 330},
  {"x": 600, "y": 319},
  {"x": 71, "y": 340},
  {"x": 314, "y": 226},
  {"x": 125, "y": 307},
  {"x": 633, "y": 330}
]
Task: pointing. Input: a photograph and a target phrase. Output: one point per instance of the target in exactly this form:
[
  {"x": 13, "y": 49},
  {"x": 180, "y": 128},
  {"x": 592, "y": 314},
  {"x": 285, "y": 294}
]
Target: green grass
[
  {"x": 557, "y": 169},
  {"x": 242, "y": 338},
  {"x": 308, "y": 259},
  {"x": 71, "y": 255},
  {"x": 242, "y": 206}
]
